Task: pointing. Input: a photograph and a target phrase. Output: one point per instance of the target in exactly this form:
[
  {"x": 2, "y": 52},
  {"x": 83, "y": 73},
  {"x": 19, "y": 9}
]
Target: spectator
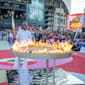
[
  {"x": 51, "y": 38},
  {"x": 76, "y": 46},
  {"x": 11, "y": 37},
  {"x": 59, "y": 36},
  {"x": 55, "y": 38},
  {"x": 8, "y": 37},
  {"x": 33, "y": 36},
  {"x": 39, "y": 36}
]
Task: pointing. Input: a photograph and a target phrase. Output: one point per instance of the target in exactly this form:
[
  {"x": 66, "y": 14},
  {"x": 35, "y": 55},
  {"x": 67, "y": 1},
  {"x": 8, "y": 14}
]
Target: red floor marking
[
  {"x": 77, "y": 65},
  {"x": 4, "y": 83}
]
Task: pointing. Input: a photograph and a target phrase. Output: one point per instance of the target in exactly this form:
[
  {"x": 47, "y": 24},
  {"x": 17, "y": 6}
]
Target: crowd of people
[
  {"x": 54, "y": 36},
  {"x": 64, "y": 36},
  {"x": 44, "y": 36}
]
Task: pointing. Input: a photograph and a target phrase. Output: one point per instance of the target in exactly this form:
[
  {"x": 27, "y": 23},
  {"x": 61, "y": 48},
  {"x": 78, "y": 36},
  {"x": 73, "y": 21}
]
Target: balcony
[
  {"x": 50, "y": 10},
  {"x": 48, "y": 24},
  {"x": 6, "y": 7},
  {"x": 10, "y": 1},
  {"x": 48, "y": 15},
  {"x": 23, "y": 2},
  {"x": 48, "y": 4},
  {"x": 19, "y": 21},
  {"x": 12, "y": 8},
  {"x": 50, "y": 18},
  {"x": 19, "y": 9},
  {"x": 5, "y": 23},
  {"x": 58, "y": 10}
]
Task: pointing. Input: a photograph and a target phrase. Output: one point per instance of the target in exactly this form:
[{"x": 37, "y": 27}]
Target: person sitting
[{"x": 76, "y": 46}]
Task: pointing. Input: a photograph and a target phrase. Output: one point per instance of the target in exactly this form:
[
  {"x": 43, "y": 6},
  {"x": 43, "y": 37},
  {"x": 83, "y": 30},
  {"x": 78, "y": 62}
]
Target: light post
[
  {"x": 27, "y": 7},
  {"x": 60, "y": 15},
  {"x": 54, "y": 59},
  {"x": 53, "y": 12},
  {"x": 11, "y": 14},
  {"x": 13, "y": 23}
]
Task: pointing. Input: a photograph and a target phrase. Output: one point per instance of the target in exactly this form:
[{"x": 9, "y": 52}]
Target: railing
[
  {"x": 17, "y": 1},
  {"x": 50, "y": 10},
  {"x": 7, "y": 1},
  {"x": 7, "y": 22},
  {"x": 11, "y": 7},
  {"x": 49, "y": 19},
  {"x": 48, "y": 4},
  {"x": 48, "y": 15}
]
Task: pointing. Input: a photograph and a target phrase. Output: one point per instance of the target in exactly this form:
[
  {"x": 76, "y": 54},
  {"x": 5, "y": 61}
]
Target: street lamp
[
  {"x": 11, "y": 14},
  {"x": 53, "y": 12},
  {"x": 60, "y": 15},
  {"x": 13, "y": 23}
]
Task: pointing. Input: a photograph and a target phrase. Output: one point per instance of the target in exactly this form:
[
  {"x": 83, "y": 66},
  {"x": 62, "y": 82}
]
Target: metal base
[
  {"x": 46, "y": 72},
  {"x": 43, "y": 56}
]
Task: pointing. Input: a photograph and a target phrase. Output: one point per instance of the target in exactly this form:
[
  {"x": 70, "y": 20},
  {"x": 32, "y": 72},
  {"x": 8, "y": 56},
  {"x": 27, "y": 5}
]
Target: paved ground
[
  {"x": 4, "y": 45},
  {"x": 62, "y": 77}
]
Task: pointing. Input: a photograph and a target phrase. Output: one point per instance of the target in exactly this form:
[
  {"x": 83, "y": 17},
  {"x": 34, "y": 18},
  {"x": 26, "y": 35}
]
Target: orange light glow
[{"x": 28, "y": 46}]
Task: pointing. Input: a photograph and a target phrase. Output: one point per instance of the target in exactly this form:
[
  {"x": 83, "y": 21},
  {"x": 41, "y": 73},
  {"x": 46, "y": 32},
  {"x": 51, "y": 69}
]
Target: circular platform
[{"x": 41, "y": 56}]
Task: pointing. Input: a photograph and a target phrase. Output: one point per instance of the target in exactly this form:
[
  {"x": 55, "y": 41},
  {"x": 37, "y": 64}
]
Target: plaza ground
[{"x": 73, "y": 70}]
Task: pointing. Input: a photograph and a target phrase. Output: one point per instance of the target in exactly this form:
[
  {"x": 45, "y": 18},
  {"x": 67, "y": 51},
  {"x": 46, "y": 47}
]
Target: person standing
[
  {"x": 24, "y": 75},
  {"x": 10, "y": 38}
]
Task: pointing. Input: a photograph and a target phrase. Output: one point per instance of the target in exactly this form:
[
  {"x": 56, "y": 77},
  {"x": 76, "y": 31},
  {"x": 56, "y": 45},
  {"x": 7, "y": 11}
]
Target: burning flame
[{"x": 28, "y": 46}]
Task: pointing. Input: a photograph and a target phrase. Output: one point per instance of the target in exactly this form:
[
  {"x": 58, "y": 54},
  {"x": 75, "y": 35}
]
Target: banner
[
  {"x": 74, "y": 20},
  {"x": 36, "y": 12}
]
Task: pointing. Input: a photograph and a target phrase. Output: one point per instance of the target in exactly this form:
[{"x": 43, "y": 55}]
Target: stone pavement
[
  {"x": 62, "y": 77},
  {"x": 4, "y": 45}
]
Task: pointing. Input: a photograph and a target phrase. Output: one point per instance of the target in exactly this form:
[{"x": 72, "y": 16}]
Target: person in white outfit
[{"x": 24, "y": 75}]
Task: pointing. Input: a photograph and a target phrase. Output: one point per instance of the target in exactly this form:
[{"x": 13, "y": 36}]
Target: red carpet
[
  {"x": 77, "y": 65},
  {"x": 4, "y": 83},
  {"x": 7, "y": 54}
]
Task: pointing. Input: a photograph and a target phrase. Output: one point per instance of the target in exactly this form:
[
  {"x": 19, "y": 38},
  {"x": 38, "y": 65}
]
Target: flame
[{"x": 40, "y": 47}]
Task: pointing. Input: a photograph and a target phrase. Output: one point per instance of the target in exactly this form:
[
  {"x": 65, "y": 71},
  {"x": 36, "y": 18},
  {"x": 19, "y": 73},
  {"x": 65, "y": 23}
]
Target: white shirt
[
  {"x": 10, "y": 35},
  {"x": 23, "y": 35}
]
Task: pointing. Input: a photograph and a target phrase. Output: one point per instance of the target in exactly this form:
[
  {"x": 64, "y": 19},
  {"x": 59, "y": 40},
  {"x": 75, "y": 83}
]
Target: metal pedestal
[
  {"x": 54, "y": 64},
  {"x": 43, "y": 56},
  {"x": 46, "y": 72}
]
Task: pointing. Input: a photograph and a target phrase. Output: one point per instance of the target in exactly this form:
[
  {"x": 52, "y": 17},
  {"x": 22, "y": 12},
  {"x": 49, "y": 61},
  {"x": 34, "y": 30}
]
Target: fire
[{"x": 28, "y": 46}]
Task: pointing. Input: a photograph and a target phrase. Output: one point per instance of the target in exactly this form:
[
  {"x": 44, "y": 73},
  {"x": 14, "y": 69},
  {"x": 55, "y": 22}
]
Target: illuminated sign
[
  {"x": 73, "y": 22},
  {"x": 36, "y": 11}
]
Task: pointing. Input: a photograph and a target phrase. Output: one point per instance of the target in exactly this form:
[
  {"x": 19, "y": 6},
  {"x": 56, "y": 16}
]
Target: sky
[
  {"x": 68, "y": 4},
  {"x": 77, "y": 6}
]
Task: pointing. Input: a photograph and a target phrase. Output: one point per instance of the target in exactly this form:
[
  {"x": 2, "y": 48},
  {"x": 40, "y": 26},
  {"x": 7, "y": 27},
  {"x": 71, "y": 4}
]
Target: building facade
[
  {"x": 50, "y": 14},
  {"x": 36, "y": 13},
  {"x": 56, "y": 12},
  {"x": 6, "y": 8}
]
